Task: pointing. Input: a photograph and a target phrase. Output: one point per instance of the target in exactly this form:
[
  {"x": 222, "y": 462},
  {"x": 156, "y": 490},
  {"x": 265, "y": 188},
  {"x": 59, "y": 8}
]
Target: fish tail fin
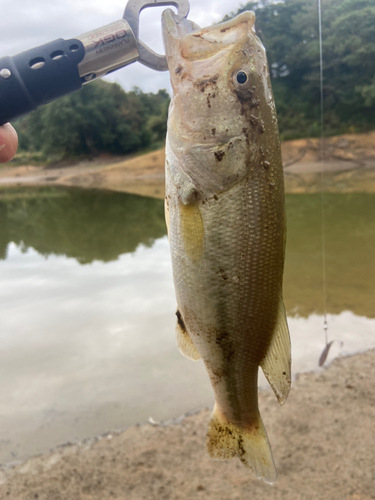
[{"x": 226, "y": 440}]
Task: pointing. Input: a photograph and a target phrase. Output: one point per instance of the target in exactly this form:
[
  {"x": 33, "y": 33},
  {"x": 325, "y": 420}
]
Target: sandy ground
[
  {"x": 349, "y": 166},
  {"x": 323, "y": 442}
]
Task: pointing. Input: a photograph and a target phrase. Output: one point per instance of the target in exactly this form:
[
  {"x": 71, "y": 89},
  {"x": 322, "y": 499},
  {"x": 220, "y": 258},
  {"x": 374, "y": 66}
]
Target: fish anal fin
[
  {"x": 276, "y": 364},
  {"x": 184, "y": 342},
  {"x": 226, "y": 440}
]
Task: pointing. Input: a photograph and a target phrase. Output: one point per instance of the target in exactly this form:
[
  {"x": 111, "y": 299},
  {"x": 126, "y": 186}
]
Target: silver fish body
[{"x": 226, "y": 224}]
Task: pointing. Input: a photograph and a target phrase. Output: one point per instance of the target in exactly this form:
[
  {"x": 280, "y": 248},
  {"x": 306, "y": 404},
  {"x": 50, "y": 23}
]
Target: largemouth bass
[{"x": 226, "y": 224}]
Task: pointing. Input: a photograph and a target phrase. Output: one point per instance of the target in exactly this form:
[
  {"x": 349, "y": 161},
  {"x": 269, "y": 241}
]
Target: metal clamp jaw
[
  {"x": 132, "y": 12},
  {"x": 117, "y": 44}
]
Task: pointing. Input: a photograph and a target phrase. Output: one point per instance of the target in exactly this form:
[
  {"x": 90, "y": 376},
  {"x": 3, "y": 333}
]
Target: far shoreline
[{"x": 349, "y": 166}]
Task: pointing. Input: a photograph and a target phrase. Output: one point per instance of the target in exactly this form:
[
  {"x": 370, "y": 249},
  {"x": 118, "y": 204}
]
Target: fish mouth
[
  {"x": 194, "y": 42},
  {"x": 174, "y": 28}
]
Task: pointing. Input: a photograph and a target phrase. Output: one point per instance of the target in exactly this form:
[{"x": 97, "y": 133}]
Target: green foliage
[
  {"x": 290, "y": 32},
  {"x": 102, "y": 117}
]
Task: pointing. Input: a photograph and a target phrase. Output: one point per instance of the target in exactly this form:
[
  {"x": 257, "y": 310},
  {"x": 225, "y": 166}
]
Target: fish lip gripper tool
[{"x": 45, "y": 73}]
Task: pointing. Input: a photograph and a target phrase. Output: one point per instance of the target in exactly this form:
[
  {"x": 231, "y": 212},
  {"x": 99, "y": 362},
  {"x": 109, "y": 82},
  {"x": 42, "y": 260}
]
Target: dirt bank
[
  {"x": 349, "y": 166},
  {"x": 323, "y": 443},
  {"x": 348, "y": 161}
]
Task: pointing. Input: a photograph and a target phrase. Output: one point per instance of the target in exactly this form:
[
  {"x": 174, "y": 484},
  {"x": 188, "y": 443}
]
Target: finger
[{"x": 8, "y": 142}]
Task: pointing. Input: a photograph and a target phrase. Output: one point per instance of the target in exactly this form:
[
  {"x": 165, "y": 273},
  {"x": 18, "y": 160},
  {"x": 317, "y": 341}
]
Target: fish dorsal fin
[
  {"x": 184, "y": 342},
  {"x": 276, "y": 365}
]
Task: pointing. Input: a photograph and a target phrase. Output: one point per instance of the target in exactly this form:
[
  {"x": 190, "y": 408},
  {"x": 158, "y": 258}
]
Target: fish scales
[{"x": 226, "y": 225}]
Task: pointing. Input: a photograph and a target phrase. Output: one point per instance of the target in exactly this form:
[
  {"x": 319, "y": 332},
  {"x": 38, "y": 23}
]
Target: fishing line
[{"x": 324, "y": 281}]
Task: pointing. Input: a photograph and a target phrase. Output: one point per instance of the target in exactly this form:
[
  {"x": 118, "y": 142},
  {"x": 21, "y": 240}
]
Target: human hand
[{"x": 8, "y": 142}]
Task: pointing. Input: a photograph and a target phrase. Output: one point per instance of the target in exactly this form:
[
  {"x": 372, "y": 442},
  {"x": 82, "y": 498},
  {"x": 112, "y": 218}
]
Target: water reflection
[
  {"x": 350, "y": 254},
  {"x": 84, "y": 349},
  {"x": 86, "y": 225},
  {"x": 95, "y": 225},
  {"x": 87, "y": 348}
]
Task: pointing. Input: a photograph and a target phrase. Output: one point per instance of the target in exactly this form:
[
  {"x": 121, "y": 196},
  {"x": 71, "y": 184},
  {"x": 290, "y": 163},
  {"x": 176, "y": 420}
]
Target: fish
[{"x": 225, "y": 214}]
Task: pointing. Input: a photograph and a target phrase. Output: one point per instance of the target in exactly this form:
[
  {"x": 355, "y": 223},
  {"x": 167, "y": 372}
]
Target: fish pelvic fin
[
  {"x": 184, "y": 342},
  {"x": 226, "y": 440},
  {"x": 276, "y": 364}
]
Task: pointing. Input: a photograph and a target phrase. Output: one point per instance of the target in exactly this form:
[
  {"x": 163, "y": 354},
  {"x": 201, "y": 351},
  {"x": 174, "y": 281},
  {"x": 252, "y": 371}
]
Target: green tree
[
  {"x": 289, "y": 31},
  {"x": 101, "y": 117}
]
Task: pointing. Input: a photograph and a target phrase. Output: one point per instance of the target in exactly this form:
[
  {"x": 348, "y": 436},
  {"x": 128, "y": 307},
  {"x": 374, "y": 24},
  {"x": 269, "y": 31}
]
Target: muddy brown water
[{"x": 87, "y": 309}]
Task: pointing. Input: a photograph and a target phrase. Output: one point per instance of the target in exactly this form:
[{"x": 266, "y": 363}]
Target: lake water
[{"x": 87, "y": 309}]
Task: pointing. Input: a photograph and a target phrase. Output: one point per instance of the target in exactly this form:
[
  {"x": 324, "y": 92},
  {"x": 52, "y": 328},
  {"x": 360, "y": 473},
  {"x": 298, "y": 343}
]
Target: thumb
[{"x": 8, "y": 142}]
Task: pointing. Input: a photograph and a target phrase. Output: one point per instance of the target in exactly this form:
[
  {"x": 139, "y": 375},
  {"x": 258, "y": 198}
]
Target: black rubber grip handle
[{"x": 39, "y": 76}]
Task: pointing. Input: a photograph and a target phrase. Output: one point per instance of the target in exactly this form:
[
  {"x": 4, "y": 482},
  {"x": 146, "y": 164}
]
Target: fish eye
[{"x": 241, "y": 77}]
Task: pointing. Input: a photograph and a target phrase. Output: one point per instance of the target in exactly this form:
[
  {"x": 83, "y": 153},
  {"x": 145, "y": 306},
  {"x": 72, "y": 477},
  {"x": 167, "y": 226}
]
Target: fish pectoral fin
[
  {"x": 226, "y": 440},
  {"x": 166, "y": 214},
  {"x": 276, "y": 364},
  {"x": 192, "y": 231},
  {"x": 184, "y": 342}
]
